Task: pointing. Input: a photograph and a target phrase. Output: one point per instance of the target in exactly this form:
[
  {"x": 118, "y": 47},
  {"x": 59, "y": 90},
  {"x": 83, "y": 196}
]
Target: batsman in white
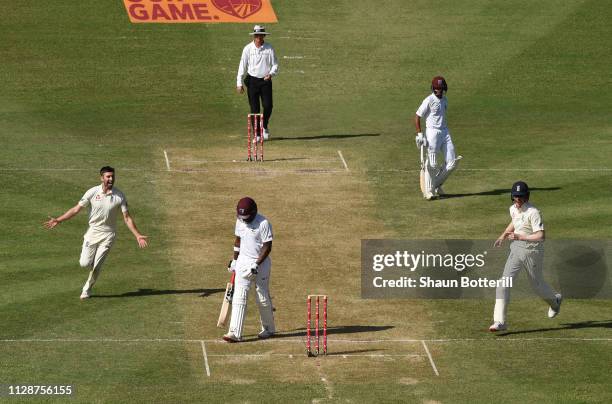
[
  {"x": 437, "y": 138},
  {"x": 526, "y": 230},
  {"x": 104, "y": 202},
  {"x": 251, "y": 262}
]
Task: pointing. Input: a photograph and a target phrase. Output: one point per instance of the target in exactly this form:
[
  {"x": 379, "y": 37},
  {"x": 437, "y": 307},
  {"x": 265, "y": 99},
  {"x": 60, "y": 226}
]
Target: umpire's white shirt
[
  {"x": 252, "y": 237},
  {"x": 103, "y": 211},
  {"x": 257, "y": 62},
  {"x": 526, "y": 220},
  {"x": 433, "y": 109}
]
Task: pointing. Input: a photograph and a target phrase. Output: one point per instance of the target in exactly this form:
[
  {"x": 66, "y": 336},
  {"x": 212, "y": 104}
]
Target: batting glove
[
  {"x": 420, "y": 140},
  {"x": 231, "y": 267},
  {"x": 253, "y": 271}
]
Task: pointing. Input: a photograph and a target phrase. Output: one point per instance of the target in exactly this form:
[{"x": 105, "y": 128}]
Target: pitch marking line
[
  {"x": 326, "y": 383},
  {"x": 299, "y": 340},
  {"x": 343, "y": 160},
  {"x": 289, "y": 171},
  {"x": 433, "y": 365},
  {"x": 331, "y": 355},
  {"x": 205, "y": 358},
  {"x": 559, "y": 170},
  {"x": 167, "y": 160},
  {"x": 539, "y": 169},
  {"x": 300, "y": 38},
  {"x": 272, "y": 161}
]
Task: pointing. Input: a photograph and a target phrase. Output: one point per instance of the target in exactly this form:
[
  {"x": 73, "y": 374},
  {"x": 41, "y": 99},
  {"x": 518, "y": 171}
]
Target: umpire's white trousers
[{"x": 531, "y": 257}]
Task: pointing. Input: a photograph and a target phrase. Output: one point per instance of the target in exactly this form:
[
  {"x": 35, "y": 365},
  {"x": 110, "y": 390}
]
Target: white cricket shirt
[
  {"x": 433, "y": 109},
  {"x": 103, "y": 211},
  {"x": 257, "y": 62},
  {"x": 526, "y": 220},
  {"x": 252, "y": 237}
]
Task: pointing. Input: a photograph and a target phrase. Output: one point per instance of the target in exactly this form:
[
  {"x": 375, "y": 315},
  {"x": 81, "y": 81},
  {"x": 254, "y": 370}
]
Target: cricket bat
[
  {"x": 227, "y": 300},
  {"x": 422, "y": 174}
]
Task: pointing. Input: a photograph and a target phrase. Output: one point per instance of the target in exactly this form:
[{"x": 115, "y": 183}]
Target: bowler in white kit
[{"x": 104, "y": 202}]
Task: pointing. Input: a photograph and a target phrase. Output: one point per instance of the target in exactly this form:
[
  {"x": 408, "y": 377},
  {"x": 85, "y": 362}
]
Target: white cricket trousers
[
  {"x": 93, "y": 256},
  {"x": 526, "y": 255},
  {"x": 439, "y": 141},
  {"x": 241, "y": 293}
]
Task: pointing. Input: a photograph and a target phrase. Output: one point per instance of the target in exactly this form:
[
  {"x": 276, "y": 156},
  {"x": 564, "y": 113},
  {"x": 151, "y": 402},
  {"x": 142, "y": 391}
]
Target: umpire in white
[
  {"x": 259, "y": 63},
  {"x": 526, "y": 230}
]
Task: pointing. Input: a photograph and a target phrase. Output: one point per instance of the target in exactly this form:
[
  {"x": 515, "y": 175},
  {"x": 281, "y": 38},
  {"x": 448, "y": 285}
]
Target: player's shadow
[
  {"x": 564, "y": 326},
  {"x": 495, "y": 192},
  {"x": 354, "y": 351},
  {"x": 338, "y": 136},
  {"x": 156, "y": 292},
  {"x": 290, "y": 159},
  {"x": 347, "y": 329}
]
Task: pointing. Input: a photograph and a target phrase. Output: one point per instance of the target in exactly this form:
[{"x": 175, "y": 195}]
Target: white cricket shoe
[
  {"x": 265, "y": 334},
  {"x": 266, "y": 134},
  {"x": 84, "y": 295},
  {"x": 497, "y": 326},
  {"x": 555, "y": 308},
  {"x": 231, "y": 338},
  {"x": 429, "y": 197},
  {"x": 257, "y": 139},
  {"x": 439, "y": 191}
]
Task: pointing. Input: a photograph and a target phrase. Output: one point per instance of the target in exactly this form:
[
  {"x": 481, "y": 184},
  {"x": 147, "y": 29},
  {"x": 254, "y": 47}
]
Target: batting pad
[
  {"x": 239, "y": 308},
  {"x": 266, "y": 313},
  {"x": 446, "y": 171}
]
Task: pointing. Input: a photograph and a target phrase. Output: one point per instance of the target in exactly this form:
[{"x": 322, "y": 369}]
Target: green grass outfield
[{"x": 529, "y": 98}]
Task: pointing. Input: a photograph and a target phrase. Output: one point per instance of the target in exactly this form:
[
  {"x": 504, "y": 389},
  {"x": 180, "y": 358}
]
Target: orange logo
[
  {"x": 199, "y": 11},
  {"x": 238, "y": 8}
]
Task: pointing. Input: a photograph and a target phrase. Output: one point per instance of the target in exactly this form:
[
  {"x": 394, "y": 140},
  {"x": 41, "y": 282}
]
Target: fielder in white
[
  {"x": 526, "y": 230},
  {"x": 104, "y": 202},
  {"x": 437, "y": 139},
  {"x": 251, "y": 262}
]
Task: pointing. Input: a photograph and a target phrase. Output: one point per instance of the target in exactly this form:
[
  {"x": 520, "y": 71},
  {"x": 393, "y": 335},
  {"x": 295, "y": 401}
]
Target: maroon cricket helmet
[
  {"x": 246, "y": 210},
  {"x": 439, "y": 83}
]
